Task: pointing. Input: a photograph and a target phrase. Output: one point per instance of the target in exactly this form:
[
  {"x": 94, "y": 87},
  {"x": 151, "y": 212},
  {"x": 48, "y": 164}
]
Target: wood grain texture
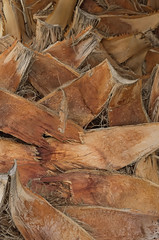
[
  {"x": 111, "y": 148},
  {"x": 106, "y": 224},
  {"x": 123, "y": 47},
  {"x": 151, "y": 59},
  {"x": 126, "y": 106},
  {"x": 26, "y": 157},
  {"x": 31, "y": 122},
  {"x": 86, "y": 96},
  {"x": 74, "y": 50},
  {"x": 117, "y": 25},
  {"x": 47, "y": 73},
  {"x": 37, "y": 219},
  {"x": 92, "y": 187}
]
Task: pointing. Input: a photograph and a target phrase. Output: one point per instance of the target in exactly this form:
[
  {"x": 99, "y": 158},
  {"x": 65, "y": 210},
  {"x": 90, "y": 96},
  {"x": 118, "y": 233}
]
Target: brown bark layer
[
  {"x": 6, "y": 42},
  {"x": 77, "y": 48},
  {"x": 47, "y": 73},
  {"x": 34, "y": 122},
  {"x": 30, "y": 211},
  {"x": 117, "y": 25},
  {"x": 100, "y": 188},
  {"x": 106, "y": 224},
  {"x": 86, "y": 96},
  {"x": 26, "y": 156},
  {"x": 123, "y": 47},
  {"x": 111, "y": 148},
  {"x": 126, "y": 106}
]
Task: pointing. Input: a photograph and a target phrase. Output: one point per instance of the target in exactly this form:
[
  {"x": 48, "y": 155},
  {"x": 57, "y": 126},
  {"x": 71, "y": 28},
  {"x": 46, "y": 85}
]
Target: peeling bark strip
[
  {"x": 37, "y": 219},
  {"x": 100, "y": 54},
  {"x": 14, "y": 63},
  {"x": 47, "y": 73},
  {"x": 87, "y": 95},
  {"x": 102, "y": 189},
  {"x": 10, "y": 150},
  {"x": 26, "y": 156},
  {"x": 92, "y": 7},
  {"x": 111, "y": 148},
  {"x": 126, "y": 106},
  {"x": 123, "y": 47},
  {"x": 30, "y": 122},
  {"x": 76, "y": 47},
  {"x": 110, "y": 223},
  {"x": 128, "y": 24}
]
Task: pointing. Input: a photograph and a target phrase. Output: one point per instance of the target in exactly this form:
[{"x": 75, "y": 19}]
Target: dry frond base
[
  {"x": 82, "y": 20},
  {"x": 46, "y": 35}
]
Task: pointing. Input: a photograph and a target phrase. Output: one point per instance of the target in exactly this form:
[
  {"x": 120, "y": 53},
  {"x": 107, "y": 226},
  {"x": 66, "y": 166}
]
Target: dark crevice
[{"x": 9, "y": 136}]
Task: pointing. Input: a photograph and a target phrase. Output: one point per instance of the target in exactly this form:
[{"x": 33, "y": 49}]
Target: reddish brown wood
[
  {"x": 100, "y": 54},
  {"x": 74, "y": 50},
  {"x": 126, "y": 106},
  {"x": 86, "y": 96},
  {"x": 91, "y": 7},
  {"x": 100, "y": 188},
  {"x": 108, "y": 223},
  {"x": 110, "y": 148},
  {"x": 26, "y": 156},
  {"x": 117, "y": 25},
  {"x": 47, "y": 73},
  {"x": 31, "y": 122},
  {"x": 37, "y": 219}
]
